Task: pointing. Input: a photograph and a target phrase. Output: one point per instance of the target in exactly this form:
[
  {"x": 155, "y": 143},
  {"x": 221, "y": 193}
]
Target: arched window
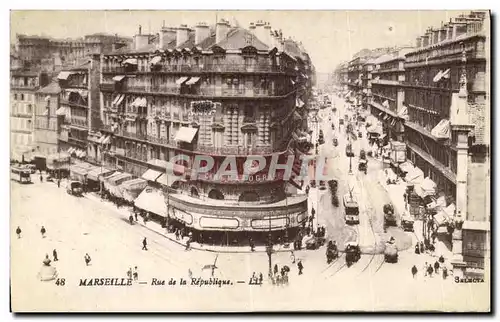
[
  {"x": 215, "y": 194},
  {"x": 249, "y": 196},
  {"x": 194, "y": 192}
]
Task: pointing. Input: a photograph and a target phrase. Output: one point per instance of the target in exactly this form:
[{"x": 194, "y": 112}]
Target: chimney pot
[
  {"x": 221, "y": 30},
  {"x": 202, "y": 31},
  {"x": 182, "y": 35}
]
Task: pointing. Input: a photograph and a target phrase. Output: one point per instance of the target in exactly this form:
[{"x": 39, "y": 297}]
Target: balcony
[
  {"x": 209, "y": 68},
  {"x": 107, "y": 87},
  {"x": 72, "y": 104},
  {"x": 234, "y": 150}
]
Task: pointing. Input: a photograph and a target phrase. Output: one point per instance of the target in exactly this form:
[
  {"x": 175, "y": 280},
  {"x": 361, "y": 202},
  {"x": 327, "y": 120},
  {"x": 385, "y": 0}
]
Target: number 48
[{"x": 60, "y": 282}]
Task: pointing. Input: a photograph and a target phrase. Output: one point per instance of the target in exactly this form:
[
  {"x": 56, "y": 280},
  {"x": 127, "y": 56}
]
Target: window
[
  {"x": 15, "y": 97},
  {"x": 30, "y": 109},
  {"x": 215, "y": 194},
  {"x": 22, "y": 97}
]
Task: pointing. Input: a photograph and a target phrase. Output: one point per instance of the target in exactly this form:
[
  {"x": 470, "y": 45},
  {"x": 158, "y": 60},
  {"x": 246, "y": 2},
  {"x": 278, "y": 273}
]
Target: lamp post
[{"x": 269, "y": 249}]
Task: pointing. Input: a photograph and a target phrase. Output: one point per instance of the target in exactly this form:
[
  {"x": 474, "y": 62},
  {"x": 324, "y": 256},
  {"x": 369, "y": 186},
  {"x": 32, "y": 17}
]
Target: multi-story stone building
[
  {"x": 447, "y": 130},
  {"x": 366, "y": 82},
  {"x": 388, "y": 94},
  {"x": 23, "y": 85},
  {"x": 46, "y": 120},
  {"x": 80, "y": 101},
  {"x": 231, "y": 92}
]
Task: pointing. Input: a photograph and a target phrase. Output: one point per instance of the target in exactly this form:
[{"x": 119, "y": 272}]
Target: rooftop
[{"x": 52, "y": 88}]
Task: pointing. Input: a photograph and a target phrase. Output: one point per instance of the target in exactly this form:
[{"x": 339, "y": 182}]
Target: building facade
[
  {"x": 388, "y": 93},
  {"x": 203, "y": 92},
  {"x": 46, "y": 119},
  {"x": 447, "y": 131},
  {"x": 23, "y": 86}
]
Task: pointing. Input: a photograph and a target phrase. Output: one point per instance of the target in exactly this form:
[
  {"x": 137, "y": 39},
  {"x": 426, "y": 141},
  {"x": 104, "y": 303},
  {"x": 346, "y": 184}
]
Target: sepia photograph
[{"x": 250, "y": 161}]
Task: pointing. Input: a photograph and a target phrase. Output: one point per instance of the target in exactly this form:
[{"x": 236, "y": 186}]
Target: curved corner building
[{"x": 215, "y": 91}]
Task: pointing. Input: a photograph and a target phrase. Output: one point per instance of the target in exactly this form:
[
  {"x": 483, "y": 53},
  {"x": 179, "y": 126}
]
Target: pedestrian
[
  {"x": 414, "y": 271},
  {"x": 252, "y": 245},
  {"x": 188, "y": 244},
  {"x": 430, "y": 270},
  {"x": 417, "y": 249},
  {"x": 18, "y": 232},
  {"x": 261, "y": 278},
  {"x": 135, "y": 274},
  {"x": 54, "y": 254},
  {"x": 59, "y": 183},
  {"x": 41, "y": 177},
  {"x": 300, "y": 267},
  {"x": 129, "y": 273},
  {"x": 441, "y": 259},
  {"x": 87, "y": 259},
  {"x": 436, "y": 267},
  {"x": 422, "y": 249},
  {"x": 292, "y": 257},
  {"x": 43, "y": 231},
  {"x": 433, "y": 236},
  {"x": 177, "y": 234},
  {"x": 445, "y": 272},
  {"x": 426, "y": 266},
  {"x": 144, "y": 244},
  {"x": 136, "y": 219},
  {"x": 275, "y": 269}
]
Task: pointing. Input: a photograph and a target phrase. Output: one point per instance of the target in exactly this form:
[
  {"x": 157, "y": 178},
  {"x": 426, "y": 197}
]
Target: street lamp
[
  {"x": 269, "y": 249},
  {"x": 350, "y": 164}
]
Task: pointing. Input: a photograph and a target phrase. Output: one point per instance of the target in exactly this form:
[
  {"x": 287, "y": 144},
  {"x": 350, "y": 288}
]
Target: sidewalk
[
  {"x": 395, "y": 193},
  {"x": 155, "y": 227}
]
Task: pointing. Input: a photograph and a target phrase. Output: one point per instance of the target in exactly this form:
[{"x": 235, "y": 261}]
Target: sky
[{"x": 329, "y": 36}]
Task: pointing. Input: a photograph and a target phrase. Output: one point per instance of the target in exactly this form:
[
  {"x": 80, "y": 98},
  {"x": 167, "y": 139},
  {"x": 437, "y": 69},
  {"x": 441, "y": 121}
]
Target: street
[{"x": 76, "y": 226}]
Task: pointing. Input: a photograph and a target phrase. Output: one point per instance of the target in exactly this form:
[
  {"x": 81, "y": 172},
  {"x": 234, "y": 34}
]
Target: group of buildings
[
  {"x": 435, "y": 98},
  {"x": 216, "y": 91}
]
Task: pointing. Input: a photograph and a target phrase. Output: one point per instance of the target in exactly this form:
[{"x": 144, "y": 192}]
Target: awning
[
  {"x": 143, "y": 102},
  {"x": 426, "y": 188},
  {"x": 348, "y": 93},
  {"x": 107, "y": 176},
  {"x": 130, "y": 61},
  {"x": 385, "y": 117},
  {"x": 64, "y": 75},
  {"x": 70, "y": 150},
  {"x": 193, "y": 81},
  {"x": 78, "y": 171},
  {"x": 403, "y": 112},
  {"x": 62, "y": 110},
  {"x": 168, "y": 179},
  {"x": 83, "y": 154},
  {"x": 106, "y": 140},
  {"x": 131, "y": 189},
  {"x": 168, "y": 166},
  {"x": 136, "y": 102},
  {"x": 415, "y": 176},
  {"x": 438, "y": 76},
  {"x": 406, "y": 167},
  {"x": 181, "y": 80},
  {"x": 118, "y": 179},
  {"x": 393, "y": 122},
  {"x": 445, "y": 214},
  {"x": 151, "y": 175},
  {"x": 96, "y": 173},
  {"x": 293, "y": 83},
  {"x": 120, "y": 100},
  {"x": 299, "y": 102},
  {"x": 186, "y": 134},
  {"x": 118, "y": 78},
  {"x": 152, "y": 200},
  {"x": 446, "y": 74},
  {"x": 116, "y": 99},
  {"x": 442, "y": 130},
  {"x": 155, "y": 60}
]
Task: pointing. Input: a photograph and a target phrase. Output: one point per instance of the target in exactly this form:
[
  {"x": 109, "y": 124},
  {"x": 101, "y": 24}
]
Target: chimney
[
  {"x": 419, "y": 42},
  {"x": 182, "y": 35},
  {"x": 167, "y": 34},
  {"x": 202, "y": 32},
  {"x": 267, "y": 35},
  {"x": 221, "y": 30},
  {"x": 449, "y": 30},
  {"x": 425, "y": 40},
  {"x": 428, "y": 33},
  {"x": 435, "y": 36},
  {"x": 140, "y": 40},
  {"x": 443, "y": 32}
]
